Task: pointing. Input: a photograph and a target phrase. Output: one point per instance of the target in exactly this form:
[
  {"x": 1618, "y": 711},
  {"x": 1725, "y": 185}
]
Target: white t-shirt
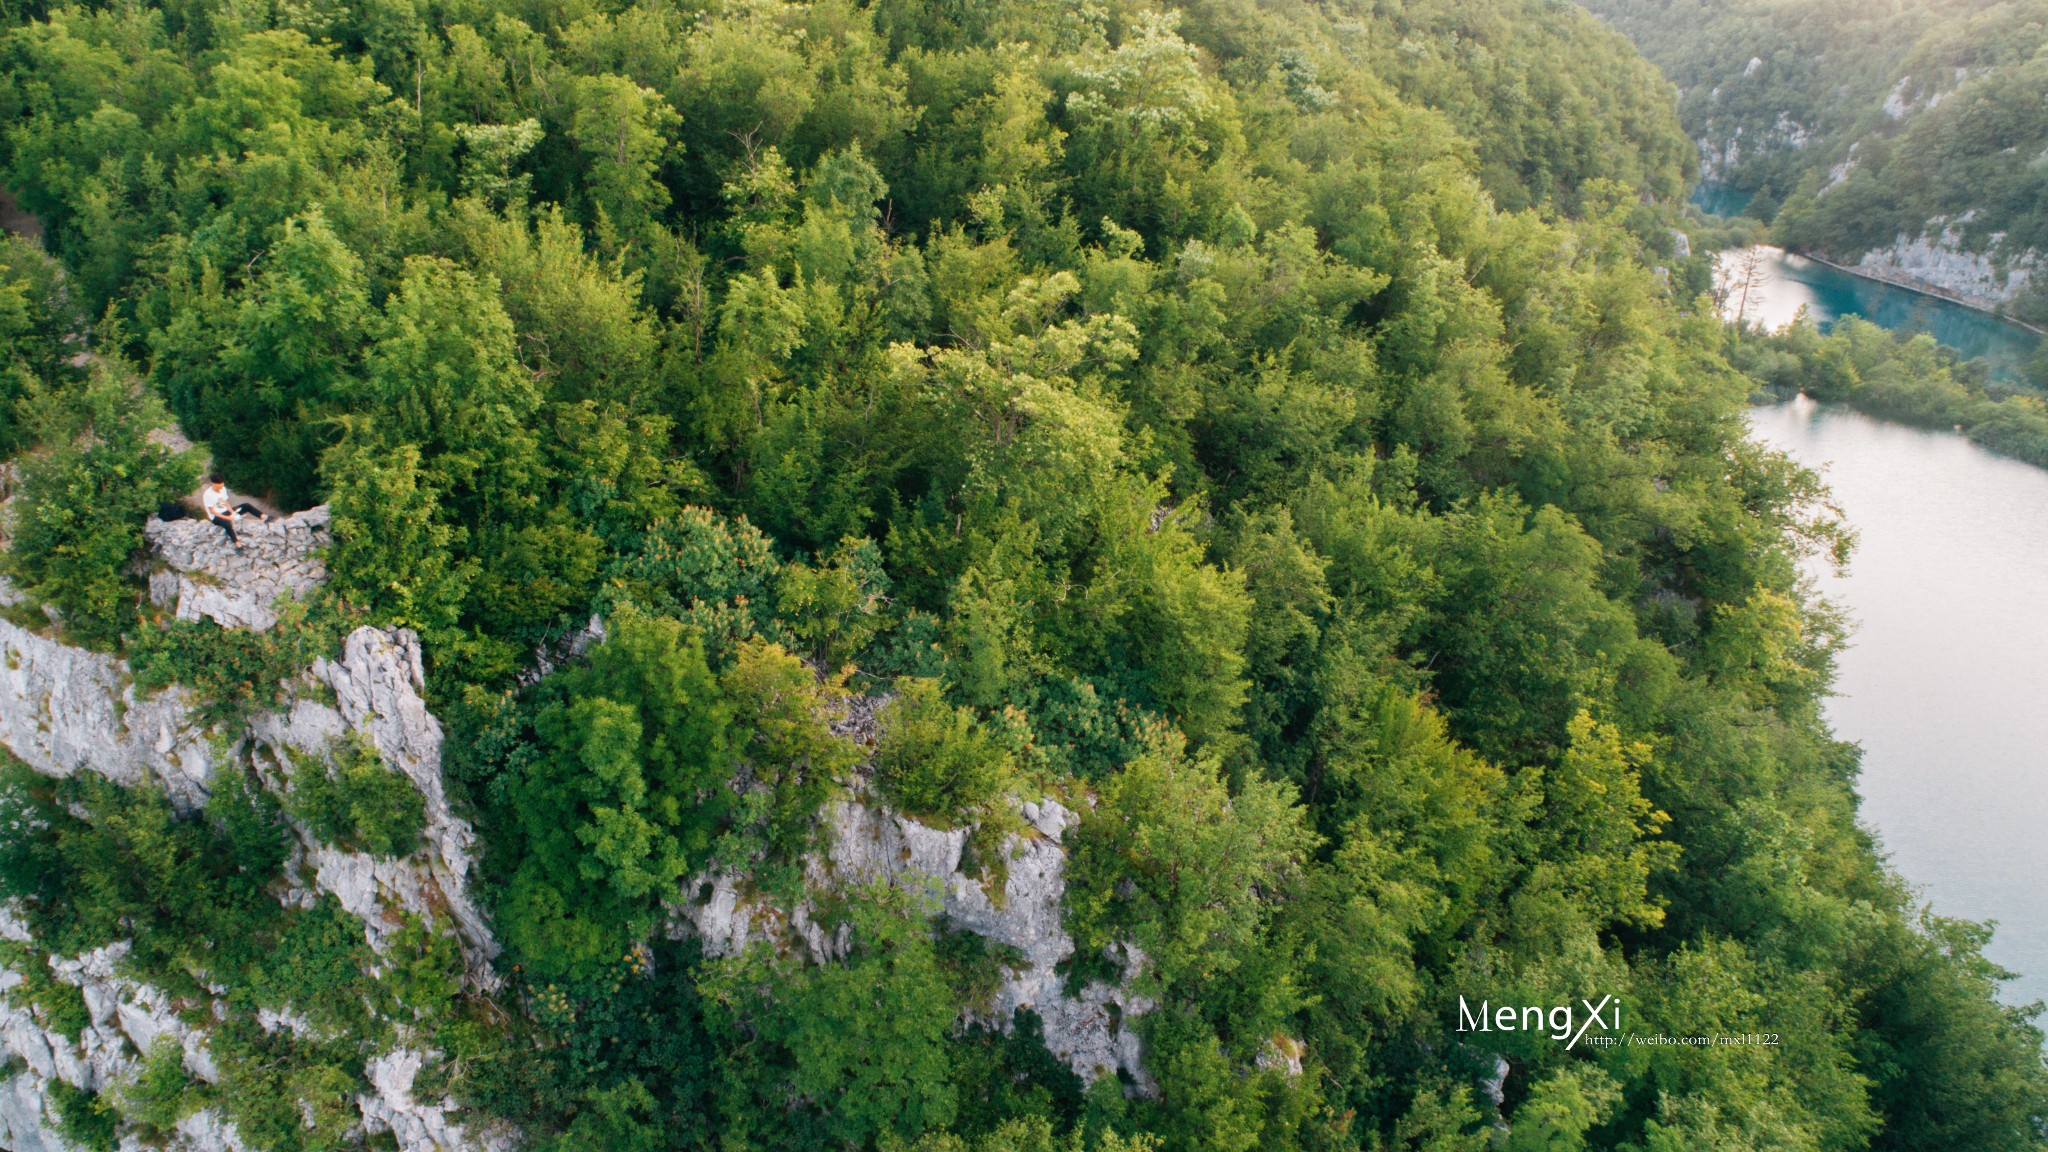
[{"x": 217, "y": 501}]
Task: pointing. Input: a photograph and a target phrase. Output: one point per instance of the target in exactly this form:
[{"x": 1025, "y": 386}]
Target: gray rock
[
  {"x": 1936, "y": 261},
  {"x": 64, "y": 708},
  {"x": 418, "y": 1127},
  {"x": 376, "y": 685},
  {"x": 127, "y": 1019},
  {"x": 869, "y": 843},
  {"x": 24, "y": 1123},
  {"x": 206, "y": 576},
  {"x": 205, "y": 1131}
]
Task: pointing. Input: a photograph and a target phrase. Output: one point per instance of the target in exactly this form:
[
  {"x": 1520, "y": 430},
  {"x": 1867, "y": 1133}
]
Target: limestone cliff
[
  {"x": 867, "y": 843},
  {"x": 65, "y": 710},
  {"x": 1936, "y": 261}
]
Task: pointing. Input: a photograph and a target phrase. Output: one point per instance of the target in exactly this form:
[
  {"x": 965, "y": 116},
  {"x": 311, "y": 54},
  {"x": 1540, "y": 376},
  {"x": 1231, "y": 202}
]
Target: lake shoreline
[
  {"x": 1913, "y": 284},
  {"x": 1940, "y": 679},
  {"x": 1778, "y": 283}
]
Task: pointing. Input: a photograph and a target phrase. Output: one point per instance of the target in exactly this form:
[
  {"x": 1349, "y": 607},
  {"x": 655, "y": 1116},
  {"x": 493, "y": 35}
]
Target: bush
[
  {"x": 84, "y": 496},
  {"x": 866, "y": 1038},
  {"x": 88, "y": 862},
  {"x": 84, "y": 1118},
  {"x": 359, "y": 803},
  {"x": 161, "y": 1093},
  {"x": 233, "y": 671},
  {"x": 37, "y": 317},
  {"x": 319, "y": 968},
  {"x": 934, "y": 762},
  {"x": 62, "y": 1006}
]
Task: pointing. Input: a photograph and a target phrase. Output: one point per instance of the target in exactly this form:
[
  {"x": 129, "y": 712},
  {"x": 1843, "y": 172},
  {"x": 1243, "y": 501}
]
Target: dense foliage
[
  {"x": 1898, "y": 376},
  {"x": 1854, "y": 124},
  {"x": 1280, "y": 432}
]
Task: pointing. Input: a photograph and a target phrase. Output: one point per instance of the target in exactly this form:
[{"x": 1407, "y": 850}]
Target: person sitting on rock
[{"x": 222, "y": 509}]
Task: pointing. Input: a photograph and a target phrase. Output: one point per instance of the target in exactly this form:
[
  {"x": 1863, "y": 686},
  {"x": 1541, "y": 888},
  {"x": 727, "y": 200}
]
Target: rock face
[
  {"x": 127, "y": 1021},
  {"x": 206, "y": 576},
  {"x": 417, "y": 1127},
  {"x": 870, "y": 843},
  {"x": 63, "y": 709},
  {"x": 1936, "y": 262},
  {"x": 376, "y": 686}
]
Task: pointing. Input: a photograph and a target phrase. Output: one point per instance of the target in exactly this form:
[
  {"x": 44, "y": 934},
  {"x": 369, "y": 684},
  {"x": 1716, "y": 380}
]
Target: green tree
[
  {"x": 934, "y": 761},
  {"x": 358, "y": 802},
  {"x": 864, "y": 1039},
  {"x": 626, "y": 794},
  {"x": 623, "y": 130},
  {"x": 85, "y": 492},
  {"x": 392, "y": 556}
]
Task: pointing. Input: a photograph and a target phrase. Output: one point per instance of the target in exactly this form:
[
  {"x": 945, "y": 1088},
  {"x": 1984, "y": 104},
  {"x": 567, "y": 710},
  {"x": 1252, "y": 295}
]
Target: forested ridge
[
  {"x": 1281, "y": 433},
  {"x": 1855, "y": 124}
]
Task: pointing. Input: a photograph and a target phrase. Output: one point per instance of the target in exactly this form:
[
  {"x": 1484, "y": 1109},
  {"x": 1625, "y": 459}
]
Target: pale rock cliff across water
[{"x": 1937, "y": 262}]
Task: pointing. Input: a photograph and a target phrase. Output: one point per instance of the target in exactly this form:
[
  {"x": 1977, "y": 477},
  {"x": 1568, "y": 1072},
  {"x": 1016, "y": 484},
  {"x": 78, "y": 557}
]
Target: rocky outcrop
[
  {"x": 418, "y": 1127},
  {"x": 869, "y": 843},
  {"x": 376, "y": 687},
  {"x": 1720, "y": 154},
  {"x": 204, "y": 575},
  {"x": 1936, "y": 261},
  {"x": 127, "y": 1020},
  {"x": 24, "y": 1125},
  {"x": 64, "y": 709}
]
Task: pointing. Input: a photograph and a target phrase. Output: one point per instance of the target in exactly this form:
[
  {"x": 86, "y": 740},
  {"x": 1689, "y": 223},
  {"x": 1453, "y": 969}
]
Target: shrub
[
  {"x": 62, "y": 1006},
  {"x": 161, "y": 1093},
  {"x": 359, "y": 803},
  {"x": 233, "y": 671},
  {"x": 934, "y": 762},
  {"x": 866, "y": 1038},
  {"x": 88, "y": 862},
  {"x": 785, "y": 714},
  {"x": 318, "y": 968},
  {"x": 84, "y": 496},
  {"x": 84, "y": 1118},
  {"x": 716, "y": 575}
]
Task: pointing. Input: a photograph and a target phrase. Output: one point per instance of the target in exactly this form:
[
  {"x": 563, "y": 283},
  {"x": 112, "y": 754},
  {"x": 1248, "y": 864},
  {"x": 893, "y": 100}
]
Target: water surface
[
  {"x": 1718, "y": 199},
  {"x": 1945, "y": 682},
  {"x": 1784, "y": 283}
]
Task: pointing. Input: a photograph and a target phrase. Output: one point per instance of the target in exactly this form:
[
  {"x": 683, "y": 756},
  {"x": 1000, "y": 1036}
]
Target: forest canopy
[{"x": 1283, "y": 433}]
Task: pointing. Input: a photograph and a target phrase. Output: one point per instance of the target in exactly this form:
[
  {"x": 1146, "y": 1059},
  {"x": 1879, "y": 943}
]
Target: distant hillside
[{"x": 1907, "y": 138}]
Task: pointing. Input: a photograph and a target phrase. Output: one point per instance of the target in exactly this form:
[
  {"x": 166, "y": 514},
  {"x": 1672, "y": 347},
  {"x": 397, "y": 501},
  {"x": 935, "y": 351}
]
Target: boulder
[{"x": 203, "y": 575}]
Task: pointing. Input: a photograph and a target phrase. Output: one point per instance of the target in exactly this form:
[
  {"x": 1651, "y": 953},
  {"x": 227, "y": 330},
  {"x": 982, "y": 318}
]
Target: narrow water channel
[{"x": 1945, "y": 681}]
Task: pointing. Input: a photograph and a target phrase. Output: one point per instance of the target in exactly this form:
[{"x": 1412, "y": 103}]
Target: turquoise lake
[{"x": 1785, "y": 283}]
